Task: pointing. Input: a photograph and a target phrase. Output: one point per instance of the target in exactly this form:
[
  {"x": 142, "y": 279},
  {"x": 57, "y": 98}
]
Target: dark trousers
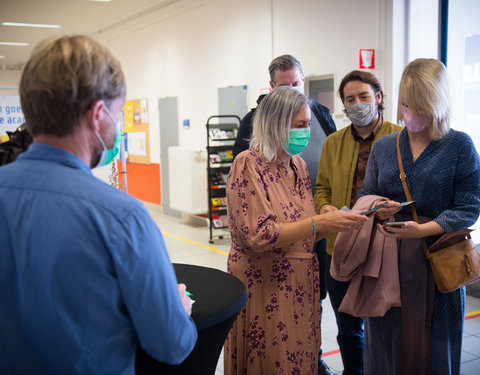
[
  {"x": 320, "y": 250},
  {"x": 350, "y": 328}
]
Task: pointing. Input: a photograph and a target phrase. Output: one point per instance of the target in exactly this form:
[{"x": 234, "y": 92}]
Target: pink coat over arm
[{"x": 369, "y": 259}]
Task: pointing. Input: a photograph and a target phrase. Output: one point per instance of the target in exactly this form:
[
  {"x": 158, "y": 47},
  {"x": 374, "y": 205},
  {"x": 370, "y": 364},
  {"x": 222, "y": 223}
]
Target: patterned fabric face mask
[{"x": 361, "y": 114}]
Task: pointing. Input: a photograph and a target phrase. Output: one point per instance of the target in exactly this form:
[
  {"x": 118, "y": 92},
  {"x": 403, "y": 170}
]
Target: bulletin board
[{"x": 136, "y": 127}]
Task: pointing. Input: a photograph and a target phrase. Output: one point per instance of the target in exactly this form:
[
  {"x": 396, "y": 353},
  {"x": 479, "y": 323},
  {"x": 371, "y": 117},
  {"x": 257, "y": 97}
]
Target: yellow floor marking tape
[
  {"x": 468, "y": 315},
  {"x": 473, "y": 314},
  {"x": 195, "y": 243}
]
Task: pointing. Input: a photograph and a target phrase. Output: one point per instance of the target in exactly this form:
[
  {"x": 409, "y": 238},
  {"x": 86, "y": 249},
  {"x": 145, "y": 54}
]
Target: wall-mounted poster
[
  {"x": 366, "y": 59},
  {"x": 136, "y": 144},
  {"x": 136, "y": 127}
]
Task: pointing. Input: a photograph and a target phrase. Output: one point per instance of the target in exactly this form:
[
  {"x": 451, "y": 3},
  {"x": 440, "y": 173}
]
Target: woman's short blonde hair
[
  {"x": 272, "y": 119},
  {"x": 62, "y": 79},
  {"x": 425, "y": 90}
]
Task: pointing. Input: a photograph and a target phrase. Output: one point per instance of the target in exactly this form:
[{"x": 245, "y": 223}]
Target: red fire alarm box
[{"x": 366, "y": 58}]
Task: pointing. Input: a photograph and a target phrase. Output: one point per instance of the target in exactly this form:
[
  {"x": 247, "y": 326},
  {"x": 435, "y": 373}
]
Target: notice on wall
[
  {"x": 128, "y": 112},
  {"x": 366, "y": 58},
  {"x": 136, "y": 129},
  {"x": 143, "y": 111},
  {"x": 136, "y": 143},
  {"x": 11, "y": 115}
]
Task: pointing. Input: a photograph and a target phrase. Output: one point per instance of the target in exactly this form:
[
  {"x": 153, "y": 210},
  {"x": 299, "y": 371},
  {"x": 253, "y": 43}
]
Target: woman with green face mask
[{"x": 273, "y": 227}]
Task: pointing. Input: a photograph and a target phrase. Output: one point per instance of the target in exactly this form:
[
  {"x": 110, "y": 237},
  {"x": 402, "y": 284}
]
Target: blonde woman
[
  {"x": 424, "y": 336},
  {"x": 274, "y": 226}
]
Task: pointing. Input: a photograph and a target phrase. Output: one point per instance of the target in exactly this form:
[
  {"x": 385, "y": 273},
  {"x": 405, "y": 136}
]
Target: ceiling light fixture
[
  {"x": 30, "y": 25},
  {"x": 13, "y": 44}
]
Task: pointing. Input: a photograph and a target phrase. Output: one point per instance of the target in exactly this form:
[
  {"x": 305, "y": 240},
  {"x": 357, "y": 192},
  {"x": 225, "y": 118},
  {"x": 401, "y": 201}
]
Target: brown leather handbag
[{"x": 454, "y": 258}]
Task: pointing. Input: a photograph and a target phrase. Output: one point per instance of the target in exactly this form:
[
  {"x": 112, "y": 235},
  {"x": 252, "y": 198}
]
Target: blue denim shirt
[{"x": 84, "y": 273}]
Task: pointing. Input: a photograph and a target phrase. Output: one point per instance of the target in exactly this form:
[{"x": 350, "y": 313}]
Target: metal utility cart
[{"x": 221, "y": 133}]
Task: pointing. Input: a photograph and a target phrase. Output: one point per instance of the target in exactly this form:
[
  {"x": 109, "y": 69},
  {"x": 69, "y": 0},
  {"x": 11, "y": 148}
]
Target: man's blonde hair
[
  {"x": 272, "y": 119},
  {"x": 283, "y": 63},
  {"x": 425, "y": 91},
  {"x": 62, "y": 79}
]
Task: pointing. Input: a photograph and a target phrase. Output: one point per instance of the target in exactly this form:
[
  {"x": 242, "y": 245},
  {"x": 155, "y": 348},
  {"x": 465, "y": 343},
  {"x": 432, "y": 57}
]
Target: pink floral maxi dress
[{"x": 278, "y": 330}]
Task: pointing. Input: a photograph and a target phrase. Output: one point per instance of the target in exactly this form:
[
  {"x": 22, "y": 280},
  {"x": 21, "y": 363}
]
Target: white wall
[
  {"x": 423, "y": 29},
  {"x": 9, "y": 78},
  {"x": 192, "y": 48}
]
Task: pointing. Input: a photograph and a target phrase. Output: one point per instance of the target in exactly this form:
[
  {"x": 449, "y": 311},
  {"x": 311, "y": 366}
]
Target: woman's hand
[
  {"x": 388, "y": 211},
  {"x": 186, "y": 301},
  {"x": 411, "y": 229},
  {"x": 339, "y": 221},
  {"x": 327, "y": 208}
]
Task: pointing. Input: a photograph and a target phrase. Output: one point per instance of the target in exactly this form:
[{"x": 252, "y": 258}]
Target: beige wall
[
  {"x": 193, "y": 47},
  {"x": 9, "y": 78}
]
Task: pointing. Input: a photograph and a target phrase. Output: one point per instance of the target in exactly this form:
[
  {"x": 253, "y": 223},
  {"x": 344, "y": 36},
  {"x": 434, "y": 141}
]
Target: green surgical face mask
[
  {"x": 108, "y": 155},
  {"x": 297, "y": 140}
]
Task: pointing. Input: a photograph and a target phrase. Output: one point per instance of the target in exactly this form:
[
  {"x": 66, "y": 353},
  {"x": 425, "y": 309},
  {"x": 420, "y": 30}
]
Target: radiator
[{"x": 188, "y": 180}]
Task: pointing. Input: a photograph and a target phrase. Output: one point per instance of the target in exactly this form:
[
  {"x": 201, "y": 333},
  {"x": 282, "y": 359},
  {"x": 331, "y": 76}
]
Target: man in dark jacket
[{"x": 286, "y": 70}]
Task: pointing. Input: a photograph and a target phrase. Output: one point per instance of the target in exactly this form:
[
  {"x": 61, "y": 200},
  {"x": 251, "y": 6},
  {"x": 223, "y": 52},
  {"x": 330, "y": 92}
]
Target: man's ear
[
  {"x": 379, "y": 97},
  {"x": 94, "y": 114},
  {"x": 272, "y": 85}
]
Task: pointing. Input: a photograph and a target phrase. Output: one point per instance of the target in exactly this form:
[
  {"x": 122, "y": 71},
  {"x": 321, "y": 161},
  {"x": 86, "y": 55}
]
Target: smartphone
[
  {"x": 372, "y": 210},
  {"x": 394, "y": 224}
]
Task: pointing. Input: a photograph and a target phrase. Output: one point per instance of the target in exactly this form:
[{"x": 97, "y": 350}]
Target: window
[{"x": 463, "y": 63}]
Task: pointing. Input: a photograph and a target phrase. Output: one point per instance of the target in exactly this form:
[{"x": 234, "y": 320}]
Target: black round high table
[{"x": 219, "y": 297}]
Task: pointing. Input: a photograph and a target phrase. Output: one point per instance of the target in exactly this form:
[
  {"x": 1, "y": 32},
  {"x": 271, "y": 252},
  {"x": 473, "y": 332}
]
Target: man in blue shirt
[{"x": 84, "y": 272}]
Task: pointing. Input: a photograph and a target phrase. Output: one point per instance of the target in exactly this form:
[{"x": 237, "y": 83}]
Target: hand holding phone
[
  {"x": 394, "y": 224},
  {"x": 372, "y": 210}
]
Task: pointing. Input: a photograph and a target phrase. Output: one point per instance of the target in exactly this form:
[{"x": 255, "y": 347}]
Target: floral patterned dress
[{"x": 278, "y": 330}]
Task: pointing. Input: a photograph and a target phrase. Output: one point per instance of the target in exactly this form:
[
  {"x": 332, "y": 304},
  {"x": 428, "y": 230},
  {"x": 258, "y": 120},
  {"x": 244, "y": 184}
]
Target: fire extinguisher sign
[{"x": 366, "y": 58}]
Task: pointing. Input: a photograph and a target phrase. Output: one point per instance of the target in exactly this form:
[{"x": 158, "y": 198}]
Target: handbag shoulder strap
[{"x": 403, "y": 178}]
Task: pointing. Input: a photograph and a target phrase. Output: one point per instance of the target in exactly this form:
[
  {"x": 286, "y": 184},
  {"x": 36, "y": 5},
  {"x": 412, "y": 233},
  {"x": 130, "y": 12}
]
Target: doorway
[{"x": 320, "y": 89}]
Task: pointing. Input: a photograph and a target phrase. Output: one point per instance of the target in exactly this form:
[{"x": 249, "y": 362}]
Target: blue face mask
[
  {"x": 108, "y": 155},
  {"x": 297, "y": 140}
]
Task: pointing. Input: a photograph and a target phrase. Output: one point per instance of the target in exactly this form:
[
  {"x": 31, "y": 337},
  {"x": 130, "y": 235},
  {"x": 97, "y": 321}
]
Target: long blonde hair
[{"x": 425, "y": 90}]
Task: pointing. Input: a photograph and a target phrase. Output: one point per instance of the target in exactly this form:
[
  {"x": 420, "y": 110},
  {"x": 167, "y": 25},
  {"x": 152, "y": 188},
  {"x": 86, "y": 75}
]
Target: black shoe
[{"x": 323, "y": 369}]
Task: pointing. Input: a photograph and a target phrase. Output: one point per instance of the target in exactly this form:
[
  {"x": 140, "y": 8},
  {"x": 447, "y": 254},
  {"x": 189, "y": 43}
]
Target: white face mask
[
  {"x": 299, "y": 88},
  {"x": 362, "y": 114}
]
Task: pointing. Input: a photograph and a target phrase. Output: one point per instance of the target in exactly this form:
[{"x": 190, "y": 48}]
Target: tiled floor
[{"x": 187, "y": 242}]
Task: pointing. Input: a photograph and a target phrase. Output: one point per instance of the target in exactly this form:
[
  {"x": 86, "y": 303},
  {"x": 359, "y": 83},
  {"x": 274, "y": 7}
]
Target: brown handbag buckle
[{"x": 468, "y": 266}]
